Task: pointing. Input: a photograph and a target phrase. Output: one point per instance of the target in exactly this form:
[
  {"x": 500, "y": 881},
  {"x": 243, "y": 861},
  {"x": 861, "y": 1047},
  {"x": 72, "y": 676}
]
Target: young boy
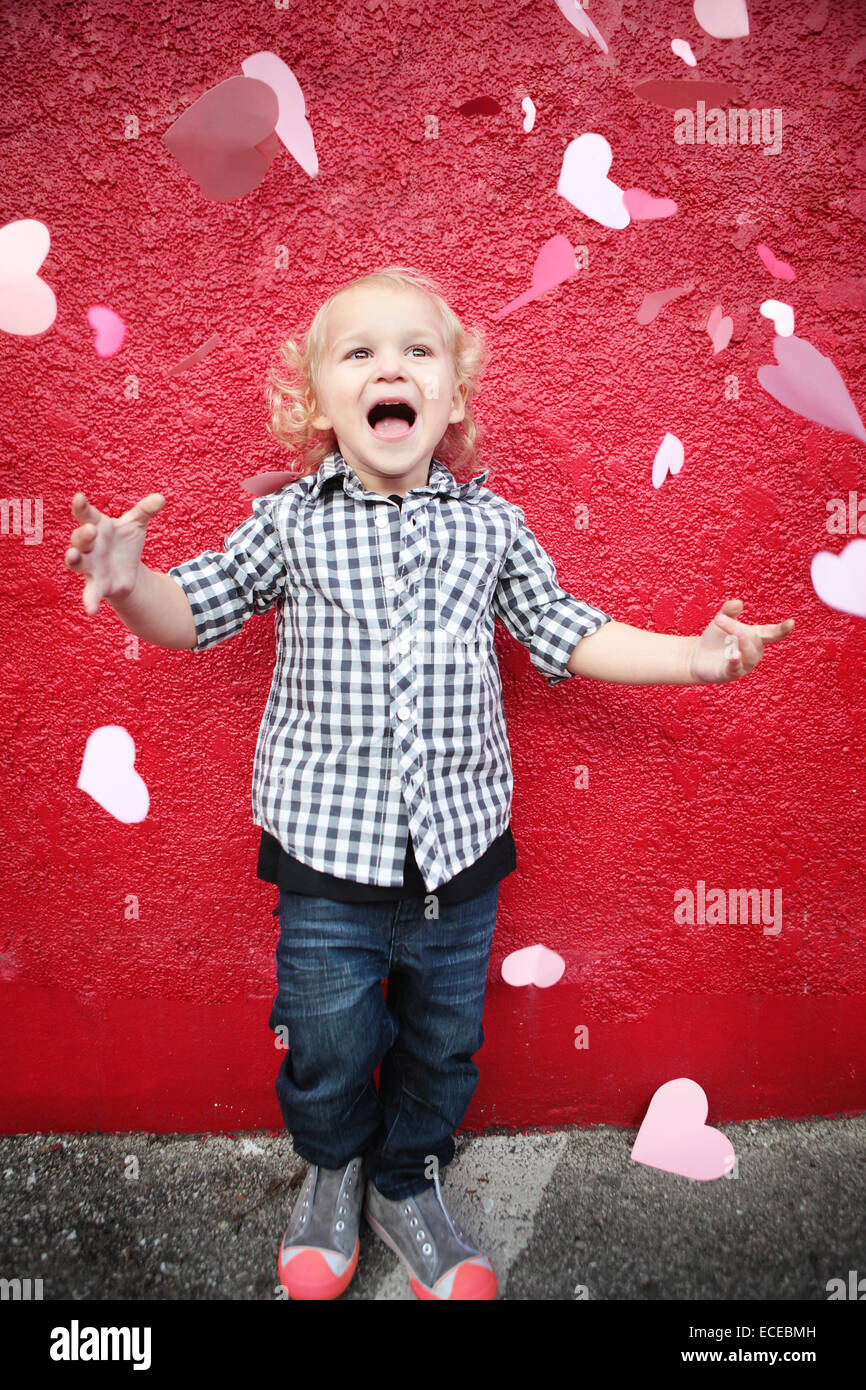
[{"x": 382, "y": 778}]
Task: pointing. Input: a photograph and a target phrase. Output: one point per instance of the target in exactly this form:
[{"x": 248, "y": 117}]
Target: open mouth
[{"x": 392, "y": 420}]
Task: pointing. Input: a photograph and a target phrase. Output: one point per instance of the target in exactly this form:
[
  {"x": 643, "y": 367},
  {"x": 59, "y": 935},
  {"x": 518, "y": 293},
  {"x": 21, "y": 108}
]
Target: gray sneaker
[
  {"x": 440, "y": 1259},
  {"x": 319, "y": 1251}
]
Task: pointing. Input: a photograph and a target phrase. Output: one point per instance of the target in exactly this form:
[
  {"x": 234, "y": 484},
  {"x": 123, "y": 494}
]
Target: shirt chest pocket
[
  {"x": 339, "y": 580},
  {"x": 465, "y": 585}
]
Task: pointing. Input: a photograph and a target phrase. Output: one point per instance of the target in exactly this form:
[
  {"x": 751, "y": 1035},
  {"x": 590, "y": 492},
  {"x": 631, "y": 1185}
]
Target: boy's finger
[
  {"x": 91, "y": 598},
  {"x": 84, "y": 536},
  {"x": 146, "y": 509},
  {"x": 773, "y": 631},
  {"x": 727, "y": 623},
  {"x": 82, "y": 510}
]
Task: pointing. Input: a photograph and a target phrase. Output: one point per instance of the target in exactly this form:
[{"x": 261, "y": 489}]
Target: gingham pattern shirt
[{"x": 385, "y": 710}]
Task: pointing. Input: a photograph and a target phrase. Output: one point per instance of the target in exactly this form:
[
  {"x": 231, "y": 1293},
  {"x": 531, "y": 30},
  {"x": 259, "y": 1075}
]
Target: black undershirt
[{"x": 276, "y": 866}]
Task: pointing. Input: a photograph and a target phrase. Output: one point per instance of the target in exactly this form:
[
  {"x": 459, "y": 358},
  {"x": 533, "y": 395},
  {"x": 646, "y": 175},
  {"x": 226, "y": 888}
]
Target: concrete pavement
[{"x": 186, "y": 1217}]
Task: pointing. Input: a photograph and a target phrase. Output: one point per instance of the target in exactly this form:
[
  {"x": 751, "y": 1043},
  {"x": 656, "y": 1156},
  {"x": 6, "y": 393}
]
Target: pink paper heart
[
  {"x": 643, "y": 207},
  {"x": 840, "y": 580},
  {"x": 534, "y": 965},
  {"x": 723, "y": 19},
  {"x": 808, "y": 383},
  {"x": 779, "y": 269},
  {"x": 194, "y": 357},
  {"x": 109, "y": 328},
  {"x": 581, "y": 21},
  {"x": 218, "y": 140},
  {"x": 675, "y": 1137},
  {"x": 261, "y": 484},
  {"x": 652, "y": 303},
  {"x": 292, "y": 125},
  {"x": 719, "y": 329},
  {"x": 554, "y": 263},
  {"x": 27, "y": 305}
]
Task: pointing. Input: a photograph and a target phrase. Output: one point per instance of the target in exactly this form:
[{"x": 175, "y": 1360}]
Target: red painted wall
[{"x": 160, "y": 1021}]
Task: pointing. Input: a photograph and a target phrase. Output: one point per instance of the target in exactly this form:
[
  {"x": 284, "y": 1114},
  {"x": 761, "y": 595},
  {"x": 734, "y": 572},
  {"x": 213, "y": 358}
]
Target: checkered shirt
[{"x": 385, "y": 711}]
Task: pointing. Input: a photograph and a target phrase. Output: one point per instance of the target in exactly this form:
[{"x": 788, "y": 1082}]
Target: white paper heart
[
  {"x": 108, "y": 775},
  {"x": 669, "y": 459},
  {"x": 582, "y": 22},
  {"x": 583, "y": 181},
  {"x": 27, "y": 305},
  {"x": 723, "y": 19},
  {"x": 684, "y": 50},
  {"x": 782, "y": 316},
  {"x": 840, "y": 580}
]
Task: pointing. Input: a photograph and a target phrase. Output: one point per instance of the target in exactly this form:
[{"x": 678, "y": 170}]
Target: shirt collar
[{"x": 441, "y": 480}]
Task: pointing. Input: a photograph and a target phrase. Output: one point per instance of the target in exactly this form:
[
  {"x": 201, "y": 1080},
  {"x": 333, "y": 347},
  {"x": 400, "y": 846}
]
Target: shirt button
[
  {"x": 381, "y": 519},
  {"x": 390, "y": 581},
  {"x": 404, "y": 712},
  {"x": 395, "y": 782}
]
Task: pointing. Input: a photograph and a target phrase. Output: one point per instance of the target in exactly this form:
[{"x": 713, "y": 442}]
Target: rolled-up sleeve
[
  {"x": 225, "y": 588},
  {"x": 537, "y": 611}
]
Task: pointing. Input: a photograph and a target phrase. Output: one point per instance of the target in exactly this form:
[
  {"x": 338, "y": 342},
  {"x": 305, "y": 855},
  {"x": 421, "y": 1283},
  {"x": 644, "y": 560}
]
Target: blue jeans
[{"x": 332, "y": 958}]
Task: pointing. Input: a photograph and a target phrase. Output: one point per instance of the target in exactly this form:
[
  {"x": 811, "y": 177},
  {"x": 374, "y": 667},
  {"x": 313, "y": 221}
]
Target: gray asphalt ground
[{"x": 563, "y": 1214}]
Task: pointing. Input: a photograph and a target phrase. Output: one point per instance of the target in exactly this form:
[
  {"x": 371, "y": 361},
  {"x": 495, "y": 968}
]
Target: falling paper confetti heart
[
  {"x": 643, "y": 207},
  {"x": 109, "y": 328},
  {"x": 261, "y": 484},
  {"x": 684, "y": 50},
  {"x": 480, "y": 106},
  {"x": 781, "y": 314},
  {"x": 723, "y": 19},
  {"x": 652, "y": 303},
  {"x": 808, "y": 383},
  {"x": 669, "y": 459},
  {"x": 583, "y": 181},
  {"x": 581, "y": 21},
  {"x": 840, "y": 580},
  {"x": 292, "y": 125},
  {"x": 780, "y": 270},
  {"x": 679, "y": 93},
  {"x": 534, "y": 965},
  {"x": 675, "y": 1137},
  {"x": 719, "y": 329},
  {"x": 554, "y": 263},
  {"x": 108, "y": 775},
  {"x": 225, "y": 140},
  {"x": 194, "y": 357},
  {"x": 27, "y": 304}
]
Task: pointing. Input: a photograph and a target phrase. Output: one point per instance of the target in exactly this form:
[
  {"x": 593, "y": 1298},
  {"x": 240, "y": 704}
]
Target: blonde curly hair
[{"x": 292, "y": 383}]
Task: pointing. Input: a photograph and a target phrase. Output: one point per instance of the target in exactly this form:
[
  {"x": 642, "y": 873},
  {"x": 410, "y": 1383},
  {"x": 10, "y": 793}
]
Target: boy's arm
[
  {"x": 157, "y": 611},
  {"x": 725, "y": 650},
  {"x": 537, "y": 611},
  {"x": 224, "y": 588}
]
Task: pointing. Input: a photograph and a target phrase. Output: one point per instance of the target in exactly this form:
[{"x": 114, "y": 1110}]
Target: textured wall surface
[{"x": 156, "y": 1016}]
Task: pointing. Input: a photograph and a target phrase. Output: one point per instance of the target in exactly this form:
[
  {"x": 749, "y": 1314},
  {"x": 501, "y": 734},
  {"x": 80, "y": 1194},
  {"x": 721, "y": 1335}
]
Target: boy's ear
[
  {"x": 458, "y": 404},
  {"x": 318, "y": 419}
]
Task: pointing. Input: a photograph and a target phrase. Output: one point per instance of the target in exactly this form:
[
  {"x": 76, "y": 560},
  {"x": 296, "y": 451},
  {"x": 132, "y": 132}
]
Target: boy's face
[{"x": 386, "y": 344}]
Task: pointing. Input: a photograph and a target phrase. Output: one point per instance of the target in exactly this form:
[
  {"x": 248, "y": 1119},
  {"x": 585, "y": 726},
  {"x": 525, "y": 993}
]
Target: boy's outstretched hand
[
  {"x": 727, "y": 649},
  {"x": 106, "y": 550}
]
